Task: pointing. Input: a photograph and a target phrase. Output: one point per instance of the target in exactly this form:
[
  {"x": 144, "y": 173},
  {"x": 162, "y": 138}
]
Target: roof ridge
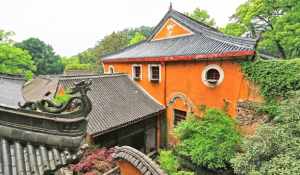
[
  {"x": 214, "y": 30},
  {"x": 12, "y": 76},
  {"x": 123, "y": 49}
]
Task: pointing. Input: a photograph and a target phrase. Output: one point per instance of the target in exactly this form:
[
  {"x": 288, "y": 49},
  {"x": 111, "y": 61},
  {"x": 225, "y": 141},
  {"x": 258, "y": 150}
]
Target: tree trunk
[{"x": 280, "y": 49}]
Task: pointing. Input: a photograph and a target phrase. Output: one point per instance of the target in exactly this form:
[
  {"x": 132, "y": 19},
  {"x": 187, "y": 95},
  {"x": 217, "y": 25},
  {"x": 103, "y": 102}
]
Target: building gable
[{"x": 171, "y": 29}]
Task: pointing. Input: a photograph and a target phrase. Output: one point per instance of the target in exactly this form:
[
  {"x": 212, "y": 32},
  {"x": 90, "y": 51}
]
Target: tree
[
  {"x": 275, "y": 148},
  {"x": 87, "y": 57},
  {"x": 5, "y": 36},
  {"x": 208, "y": 142},
  {"x": 138, "y": 37},
  {"x": 202, "y": 16},
  {"x": 234, "y": 29},
  {"x": 275, "y": 21},
  {"x": 112, "y": 43},
  {"x": 15, "y": 61},
  {"x": 44, "y": 57}
]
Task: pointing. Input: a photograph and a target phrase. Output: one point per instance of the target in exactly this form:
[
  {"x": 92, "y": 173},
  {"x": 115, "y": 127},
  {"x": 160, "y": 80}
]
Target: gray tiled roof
[
  {"x": 28, "y": 159},
  {"x": 139, "y": 160},
  {"x": 117, "y": 101},
  {"x": 205, "y": 40},
  {"x": 11, "y": 90},
  {"x": 37, "y": 88}
]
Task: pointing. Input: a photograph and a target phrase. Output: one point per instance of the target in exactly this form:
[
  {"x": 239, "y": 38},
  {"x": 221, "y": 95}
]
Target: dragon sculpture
[{"x": 78, "y": 103}]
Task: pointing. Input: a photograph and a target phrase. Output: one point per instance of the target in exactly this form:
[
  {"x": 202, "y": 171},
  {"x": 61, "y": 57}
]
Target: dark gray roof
[
  {"x": 27, "y": 159},
  {"x": 37, "y": 88},
  {"x": 11, "y": 90},
  {"x": 139, "y": 160},
  {"x": 117, "y": 101},
  {"x": 205, "y": 40}
]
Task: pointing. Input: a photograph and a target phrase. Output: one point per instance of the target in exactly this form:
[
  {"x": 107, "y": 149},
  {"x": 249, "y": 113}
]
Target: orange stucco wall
[
  {"x": 128, "y": 169},
  {"x": 185, "y": 78}
]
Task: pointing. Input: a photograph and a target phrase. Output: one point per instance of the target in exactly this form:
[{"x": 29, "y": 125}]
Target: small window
[
  {"x": 154, "y": 73},
  {"x": 179, "y": 116},
  {"x": 137, "y": 72},
  {"x": 212, "y": 76}
]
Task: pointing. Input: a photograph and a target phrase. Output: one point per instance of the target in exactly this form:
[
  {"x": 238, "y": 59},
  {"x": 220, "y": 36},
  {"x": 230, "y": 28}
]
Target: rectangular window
[
  {"x": 154, "y": 73},
  {"x": 137, "y": 72},
  {"x": 179, "y": 116}
]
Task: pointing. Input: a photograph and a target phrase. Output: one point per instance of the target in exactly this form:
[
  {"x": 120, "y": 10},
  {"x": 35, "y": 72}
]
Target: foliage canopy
[
  {"x": 275, "y": 78},
  {"x": 15, "y": 61},
  {"x": 208, "y": 142},
  {"x": 45, "y": 59},
  {"x": 275, "y": 148}
]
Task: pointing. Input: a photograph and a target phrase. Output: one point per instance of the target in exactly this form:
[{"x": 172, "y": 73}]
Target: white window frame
[
  {"x": 150, "y": 72},
  {"x": 206, "y": 69},
  {"x": 133, "y": 72},
  {"x": 109, "y": 68}
]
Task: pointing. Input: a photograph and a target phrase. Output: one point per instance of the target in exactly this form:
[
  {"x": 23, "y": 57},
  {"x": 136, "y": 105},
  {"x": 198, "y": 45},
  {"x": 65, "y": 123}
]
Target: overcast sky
[{"x": 72, "y": 26}]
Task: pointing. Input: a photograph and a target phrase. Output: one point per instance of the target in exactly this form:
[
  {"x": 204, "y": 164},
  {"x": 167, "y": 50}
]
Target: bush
[
  {"x": 275, "y": 78},
  {"x": 169, "y": 163},
  {"x": 99, "y": 160},
  {"x": 275, "y": 148},
  {"x": 210, "y": 141}
]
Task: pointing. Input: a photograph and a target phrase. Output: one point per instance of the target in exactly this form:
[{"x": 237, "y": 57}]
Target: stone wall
[{"x": 248, "y": 118}]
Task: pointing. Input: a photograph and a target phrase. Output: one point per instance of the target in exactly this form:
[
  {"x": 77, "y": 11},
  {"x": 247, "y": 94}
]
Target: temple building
[
  {"x": 123, "y": 113},
  {"x": 186, "y": 65}
]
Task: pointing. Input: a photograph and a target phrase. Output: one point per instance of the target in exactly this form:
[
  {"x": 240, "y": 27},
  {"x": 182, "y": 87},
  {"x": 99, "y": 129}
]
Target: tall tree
[
  {"x": 138, "y": 37},
  {"x": 44, "y": 57},
  {"x": 202, "y": 16},
  {"x": 14, "y": 60},
  {"x": 276, "y": 21},
  {"x": 5, "y": 36}
]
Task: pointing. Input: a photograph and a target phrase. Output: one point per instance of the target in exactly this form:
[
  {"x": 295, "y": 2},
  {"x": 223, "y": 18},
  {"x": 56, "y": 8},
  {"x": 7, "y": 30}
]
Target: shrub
[
  {"x": 99, "y": 160},
  {"x": 169, "y": 163},
  {"x": 275, "y": 148},
  {"x": 210, "y": 141},
  {"x": 275, "y": 78}
]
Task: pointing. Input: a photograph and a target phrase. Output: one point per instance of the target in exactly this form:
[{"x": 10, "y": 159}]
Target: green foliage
[
  {"x": 275, "y": 148},
  {"x": 61, "y": 99},
  {"x": 202, "y": 16},
  {"x": 275, "y": 78},
  {"x": 5, "y": 36},
  {"x": 277, "y": 20},
  {"x": 169, "y": 163},
  {"x": 138, "y": 37},
  {"x": 234, "y": 29},
  {"x": 45, "y": 59},
  {"x": 210, "y": 141},
  {"x": 15, "y": 61},
  {"x": 79, "y": 67},
  {"x": 87, "y": 57}
]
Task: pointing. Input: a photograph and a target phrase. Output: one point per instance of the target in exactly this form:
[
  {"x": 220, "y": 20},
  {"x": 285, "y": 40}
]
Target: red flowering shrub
[{"x": 99, "y": 160}]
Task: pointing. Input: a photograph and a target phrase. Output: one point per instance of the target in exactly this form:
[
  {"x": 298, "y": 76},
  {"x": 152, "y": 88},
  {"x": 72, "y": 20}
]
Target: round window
[{"x": 212, "y": 75}]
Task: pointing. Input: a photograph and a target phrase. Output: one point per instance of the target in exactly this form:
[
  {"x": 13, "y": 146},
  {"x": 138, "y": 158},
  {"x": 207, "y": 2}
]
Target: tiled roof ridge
[
  {"x": 142, "y": 162},
  {"x": 106, "y": 75},
  {"x": 123, "y": 49},
  {"x": 12, "y": 76},
  {"x": 210, "y": 31}
]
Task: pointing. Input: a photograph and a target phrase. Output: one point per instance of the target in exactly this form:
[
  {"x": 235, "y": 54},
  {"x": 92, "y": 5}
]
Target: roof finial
[{"x": 171, "y": 6}]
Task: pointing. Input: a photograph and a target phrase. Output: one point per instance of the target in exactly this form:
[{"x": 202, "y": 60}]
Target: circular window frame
[{"x": 206, "y": 69}]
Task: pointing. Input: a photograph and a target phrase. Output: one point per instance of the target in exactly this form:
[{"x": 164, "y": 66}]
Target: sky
[{"x": 72, "y": 26}]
